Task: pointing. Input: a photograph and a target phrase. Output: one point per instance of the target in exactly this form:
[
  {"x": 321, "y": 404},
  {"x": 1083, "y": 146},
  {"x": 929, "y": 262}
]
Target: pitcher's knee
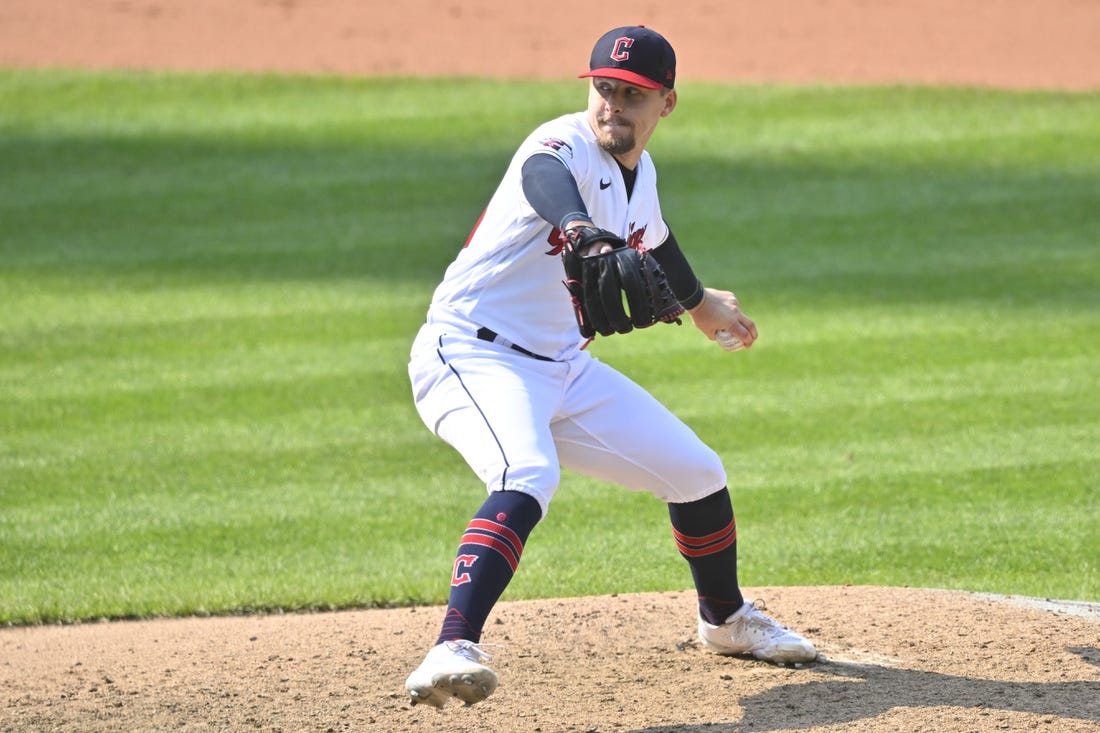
[
  {"x": 698, "y": 478},
  {"x": 538, "y": 480}
]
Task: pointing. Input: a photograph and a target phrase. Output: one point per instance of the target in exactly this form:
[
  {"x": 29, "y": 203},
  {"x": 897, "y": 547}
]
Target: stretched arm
[
  {"x": 719, "y": 311},
  {"x": 711, "y": 310}
]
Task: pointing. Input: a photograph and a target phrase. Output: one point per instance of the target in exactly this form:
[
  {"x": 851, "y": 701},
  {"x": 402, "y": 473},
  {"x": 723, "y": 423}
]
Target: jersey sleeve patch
[{"x": 557, "y": 145}]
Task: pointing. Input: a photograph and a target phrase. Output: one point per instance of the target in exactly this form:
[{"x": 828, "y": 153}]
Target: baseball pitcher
[{"x": 573, "y": 246}]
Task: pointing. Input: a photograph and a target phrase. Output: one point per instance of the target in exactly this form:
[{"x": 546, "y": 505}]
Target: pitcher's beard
[{"x": 617, "y": 144}]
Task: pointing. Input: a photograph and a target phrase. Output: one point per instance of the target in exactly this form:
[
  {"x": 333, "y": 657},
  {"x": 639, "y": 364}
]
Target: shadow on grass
[{"x": 172, "y": 211}]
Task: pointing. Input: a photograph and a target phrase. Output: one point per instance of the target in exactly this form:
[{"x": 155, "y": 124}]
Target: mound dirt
[{"x": 892, "y": 659}]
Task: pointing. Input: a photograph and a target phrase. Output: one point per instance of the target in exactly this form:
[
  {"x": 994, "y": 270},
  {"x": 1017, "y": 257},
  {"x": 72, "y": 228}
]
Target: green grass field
[{"x": 209, "y": 285}]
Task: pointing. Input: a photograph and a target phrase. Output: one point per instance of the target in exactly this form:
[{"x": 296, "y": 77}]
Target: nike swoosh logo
[{"x": 604, "y": 185}]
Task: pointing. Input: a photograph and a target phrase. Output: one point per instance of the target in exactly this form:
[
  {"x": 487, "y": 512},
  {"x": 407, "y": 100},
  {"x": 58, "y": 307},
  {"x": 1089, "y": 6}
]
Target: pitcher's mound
[{"x": 891, "y": 660}]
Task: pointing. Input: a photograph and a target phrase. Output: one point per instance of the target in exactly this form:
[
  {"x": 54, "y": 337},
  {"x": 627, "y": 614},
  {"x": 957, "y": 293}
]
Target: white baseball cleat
[
  {"x": 751, "y": 632},
  {"x": 452, "y": 669}
]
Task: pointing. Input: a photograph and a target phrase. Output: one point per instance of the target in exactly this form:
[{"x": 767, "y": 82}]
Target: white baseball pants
[{"x": 516, "y": 420}]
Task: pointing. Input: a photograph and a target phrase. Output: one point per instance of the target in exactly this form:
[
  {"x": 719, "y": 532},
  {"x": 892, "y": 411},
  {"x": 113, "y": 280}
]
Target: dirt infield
[
  {"x": 893, "y": 659},
  {"x": 1005, "y": 43}
]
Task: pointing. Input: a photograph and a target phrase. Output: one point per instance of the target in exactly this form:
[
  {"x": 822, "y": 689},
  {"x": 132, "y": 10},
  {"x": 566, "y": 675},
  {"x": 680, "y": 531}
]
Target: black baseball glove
[{"x": 616, "y": 291}]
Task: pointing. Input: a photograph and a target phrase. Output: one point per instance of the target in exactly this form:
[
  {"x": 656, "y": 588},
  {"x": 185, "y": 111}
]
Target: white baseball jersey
[
  {"x": 508, "y": 277},
  {"x": 514, "y": 418}
]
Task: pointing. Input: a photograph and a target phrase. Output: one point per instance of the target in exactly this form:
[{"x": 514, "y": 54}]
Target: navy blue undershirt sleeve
[
  {"x": 552, "y": 191},
  {"x": 681, "y": 278}
]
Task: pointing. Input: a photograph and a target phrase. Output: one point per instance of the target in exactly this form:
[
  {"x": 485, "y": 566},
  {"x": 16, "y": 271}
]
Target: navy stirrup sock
[
  {"x": 488, "y": 556},
  {"x": 706, "y": 535}
]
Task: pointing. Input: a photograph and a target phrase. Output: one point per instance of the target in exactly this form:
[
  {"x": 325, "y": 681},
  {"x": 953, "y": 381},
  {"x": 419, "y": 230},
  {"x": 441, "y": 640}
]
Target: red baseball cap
[{"x": 635, "y": 54}]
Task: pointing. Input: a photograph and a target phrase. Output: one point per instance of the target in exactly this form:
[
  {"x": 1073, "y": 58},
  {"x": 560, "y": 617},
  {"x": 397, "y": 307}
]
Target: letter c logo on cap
[{"x": 619, "y": 51}]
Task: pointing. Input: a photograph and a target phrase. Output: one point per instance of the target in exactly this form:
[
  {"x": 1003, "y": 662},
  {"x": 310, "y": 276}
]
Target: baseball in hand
[{"x": 727, "y": 340}]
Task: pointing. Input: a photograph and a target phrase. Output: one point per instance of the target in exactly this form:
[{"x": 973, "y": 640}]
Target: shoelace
[
  {"x": 756, "y": 617},
  {"x": 470, "y": 650}
]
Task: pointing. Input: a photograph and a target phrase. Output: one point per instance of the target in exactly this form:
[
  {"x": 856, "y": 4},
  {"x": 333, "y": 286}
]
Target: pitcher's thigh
[
  {"x": 628, "y": 437},
  {"x": 497, "y": 421}
]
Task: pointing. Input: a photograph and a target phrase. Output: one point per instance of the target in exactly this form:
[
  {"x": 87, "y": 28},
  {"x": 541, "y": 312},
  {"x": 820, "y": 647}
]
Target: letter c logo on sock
[{"x": 463, "y": 563}]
